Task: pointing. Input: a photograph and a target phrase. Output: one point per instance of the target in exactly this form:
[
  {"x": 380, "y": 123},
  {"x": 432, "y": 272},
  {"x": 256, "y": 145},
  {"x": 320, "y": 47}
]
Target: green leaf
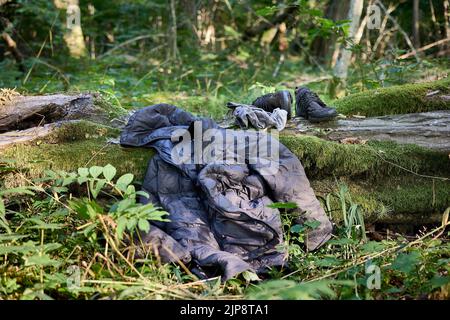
[
  {"x": 68, "y": 180},
  {"x": 89, "y": 231},
  {"x": 59, "y": 189},
  {"x": 29, "y": 246},
  {"x": 123, "y": 182},
  {"x": 283, "y": 205},
  {"x": 2, "y": 207},
  {"x": 266, "y": 11},
  {"x": 92, "y": 212},
  {"x": 121, "y": 225},
  {"x": 41, "y": 260},
  {"x": 82, "y": 180},
  {"x": 50, "y": 246},
  {"x": 124, "y": 204},
  {"x": 314, "y": 224},
  {"x": 131, "y": 191},
  {"x": 95, "y": 186},
  {"x": 19, "y": 190},
  {"x": 250, "y": 276},
  {"x": 17, "y": 249},
  {"x": 328, "y": 262},
  {"x": 86, "y": 209},
  {"x": 144, "y": 225},
  {"x": 83, "y": 172},
  {"x": 39, "y": 224},
  {"x": 229, "y": 31},
  {"x": 109, "y": 172},
  {"x": 439, "y": 281},
  {"x": 95, "y": 171},
  {"x": 131, "y": 223},
  {"x": 143, "y": 194},
  {"x": 289, "y": 289},
  {"x": 372, "y": 246},
  {"x": 342, "y": 241},
  {"x": 298, "y": 228},
  {"x": 406, "y": 262},
  {"x": 12, "y": 237}
]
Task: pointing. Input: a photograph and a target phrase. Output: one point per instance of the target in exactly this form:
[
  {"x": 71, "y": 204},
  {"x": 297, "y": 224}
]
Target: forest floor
[{"x": 48, "y": 252}]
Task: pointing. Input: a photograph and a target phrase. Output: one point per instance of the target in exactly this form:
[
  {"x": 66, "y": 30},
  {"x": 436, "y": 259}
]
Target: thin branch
[
  {"x": 424, "y": 48},
  {"x": 125, "y": 43},
  {"x": 405, "y": 35}
]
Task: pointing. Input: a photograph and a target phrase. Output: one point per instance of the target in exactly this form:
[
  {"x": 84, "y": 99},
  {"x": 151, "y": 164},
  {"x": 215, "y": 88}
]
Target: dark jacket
[{"x": 219, "y": 214}]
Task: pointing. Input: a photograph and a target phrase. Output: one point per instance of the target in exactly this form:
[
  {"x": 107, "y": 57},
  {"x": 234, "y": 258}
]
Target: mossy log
[
  {"x": 393, "y": 183},
  {"x": 427, "y": 129},
  {"x": 23, "y": 112},
  {"x": 385, "y": 178},
  {"x": 408, "y": 98}
]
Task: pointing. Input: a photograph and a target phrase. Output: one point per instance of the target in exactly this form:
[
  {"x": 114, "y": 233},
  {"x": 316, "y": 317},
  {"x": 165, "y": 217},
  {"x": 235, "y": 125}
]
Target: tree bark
[
  {"x": 416, "y": 18},
  {"x": 426, "y": 129},
  {"x": 340, "y": 71},
  {"x": 343, "y": 62},
  {"x": 447, "y": 22},
  {"x": 282, "y": 16},
  {"x": 22, "y": 112},
  {"x": 73, "y": 35},
  {"x": 173, "y": 31},
  {"x": 323, "y": 47}
]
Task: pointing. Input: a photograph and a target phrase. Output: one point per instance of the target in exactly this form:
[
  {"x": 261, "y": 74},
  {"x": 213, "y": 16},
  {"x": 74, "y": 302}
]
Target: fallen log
[
  {"x": 21, "y": 136},
  {"x": 426, "y": 129},
  {"x": 23, "y": 112},
  {"x": 386, "y": 193},
  {"x": 400, "y": 99},
  {"x": 393, "y": 183}
]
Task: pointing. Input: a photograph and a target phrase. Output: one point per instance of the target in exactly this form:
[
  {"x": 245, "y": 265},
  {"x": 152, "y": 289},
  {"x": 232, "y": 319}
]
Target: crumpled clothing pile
[
  {"x": 221, "y": 221},
  {"x": 250, "y": 116}
]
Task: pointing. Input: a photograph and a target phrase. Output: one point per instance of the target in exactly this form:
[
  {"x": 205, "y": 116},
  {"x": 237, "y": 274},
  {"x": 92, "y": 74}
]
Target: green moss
[
  {"x": 405, "y": 199},
  {"x": 113, "y": 111},
  {"x": 73, "y": 145},
  {"x": 80, "y": 130},
  {"x": 322, "y": 158},
  {"x": 408, "y": 98}
]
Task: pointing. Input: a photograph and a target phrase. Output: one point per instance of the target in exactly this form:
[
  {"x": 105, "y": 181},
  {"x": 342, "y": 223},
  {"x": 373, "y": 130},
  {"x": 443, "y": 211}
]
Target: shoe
[
  {"x": 309, "y": 106},
  {"x": 280, "y": 99}
]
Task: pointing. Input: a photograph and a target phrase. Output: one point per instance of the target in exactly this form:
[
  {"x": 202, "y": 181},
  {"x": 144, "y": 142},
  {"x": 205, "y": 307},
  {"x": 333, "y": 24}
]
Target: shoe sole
[{"x": 321, "y": 119}]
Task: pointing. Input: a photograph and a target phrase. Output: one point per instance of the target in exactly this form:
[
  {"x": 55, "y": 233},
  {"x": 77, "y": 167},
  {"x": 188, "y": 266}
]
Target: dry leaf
[{"x": 352, "y": 140}]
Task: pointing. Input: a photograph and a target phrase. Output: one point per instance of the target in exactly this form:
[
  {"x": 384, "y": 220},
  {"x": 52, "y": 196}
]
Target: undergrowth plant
[
  {"x": 77, "y": 234},
  {"x": 351, "y": 266}
]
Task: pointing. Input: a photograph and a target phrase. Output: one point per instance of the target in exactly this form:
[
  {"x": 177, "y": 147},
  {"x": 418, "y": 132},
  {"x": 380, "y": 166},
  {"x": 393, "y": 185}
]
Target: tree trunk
[
  {"x": 258, "y": 29},
  {"x": 343, "y": 61},
  {"x": 173, "y": 30},
  {"x": 73, "y": 35},
  {"x": 416, "y": 32},
  {"x": 323, "y": 47},
  {"x": 447, "y": 23}
]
